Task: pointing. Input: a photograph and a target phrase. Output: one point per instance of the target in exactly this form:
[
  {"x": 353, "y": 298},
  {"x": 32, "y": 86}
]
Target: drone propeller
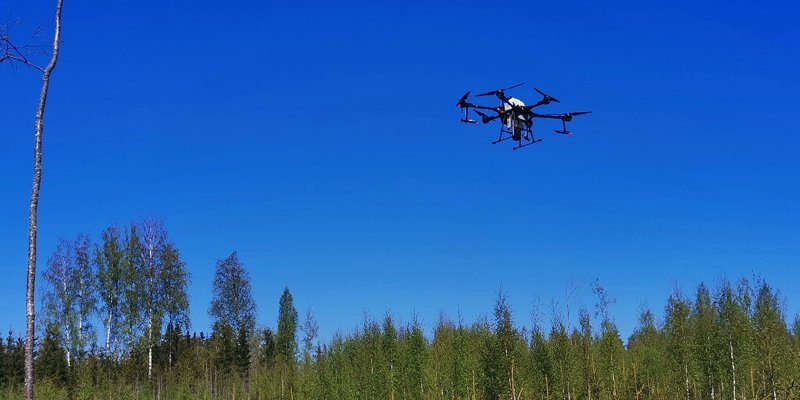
[
  {"x": 499, "y": 92},
  {"x": 564, "y": 117},
  {"x": 546, "y": 98},
  {"x": 568, "y": 116},
  {"x": 485, "y": 118},
  {"x": 462, "y": 102}
]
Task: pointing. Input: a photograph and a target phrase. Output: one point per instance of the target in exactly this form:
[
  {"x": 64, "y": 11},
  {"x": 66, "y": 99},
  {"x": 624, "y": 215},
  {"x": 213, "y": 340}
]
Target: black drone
[{"x": 516, "y": 118}]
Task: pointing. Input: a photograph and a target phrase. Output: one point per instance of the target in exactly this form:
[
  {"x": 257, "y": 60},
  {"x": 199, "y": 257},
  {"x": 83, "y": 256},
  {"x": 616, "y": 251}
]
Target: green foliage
[
  {"x": 51, "y": 364},
  {"x": 733, "y": 344},
  {"x": 286, "y": 339},
  {"x": 232, "y": 302}
]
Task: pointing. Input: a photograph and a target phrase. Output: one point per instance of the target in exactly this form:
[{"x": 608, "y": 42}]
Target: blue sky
[{"x": 321, "y": 142}]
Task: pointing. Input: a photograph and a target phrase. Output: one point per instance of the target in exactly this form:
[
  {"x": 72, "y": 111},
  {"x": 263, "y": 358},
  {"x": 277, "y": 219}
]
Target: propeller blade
[
  {"x": 580, "y": 113},
  {"x": 462, "y": 100},
  {"x": 485, "y": 118},
  {"x": 547, "y": 97},
  {"x": 494, "y": 92}
]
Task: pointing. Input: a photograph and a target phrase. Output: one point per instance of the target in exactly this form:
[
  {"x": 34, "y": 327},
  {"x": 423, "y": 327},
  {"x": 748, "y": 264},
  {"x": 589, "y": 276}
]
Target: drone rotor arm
[{"x": 551, "y": 116}]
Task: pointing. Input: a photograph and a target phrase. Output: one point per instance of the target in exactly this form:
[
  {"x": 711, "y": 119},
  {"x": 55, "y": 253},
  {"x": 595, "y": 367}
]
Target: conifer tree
[
  {"x": 51, "y": 364},
  {"x": 415, "y": 357},
  {"x": 286, "y": 342}
]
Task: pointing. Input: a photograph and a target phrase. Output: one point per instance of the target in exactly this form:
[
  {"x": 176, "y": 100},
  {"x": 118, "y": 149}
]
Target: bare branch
[{"x": 17, "y": 53}]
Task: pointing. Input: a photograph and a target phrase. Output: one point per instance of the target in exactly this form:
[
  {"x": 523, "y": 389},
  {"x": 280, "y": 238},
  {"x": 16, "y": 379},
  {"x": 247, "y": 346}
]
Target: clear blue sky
[{"x": 320, "y": 140}]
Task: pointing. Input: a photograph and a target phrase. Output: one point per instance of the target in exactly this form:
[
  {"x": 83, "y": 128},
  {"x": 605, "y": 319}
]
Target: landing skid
[
  {"x": 524, "y": 134},
  {"x": 563, "y": 131},
  {"x": 526, "y": 144}
]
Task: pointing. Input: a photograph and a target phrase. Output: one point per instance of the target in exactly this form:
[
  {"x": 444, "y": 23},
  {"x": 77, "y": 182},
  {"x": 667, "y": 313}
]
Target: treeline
[{"x": 727, "y": 342}]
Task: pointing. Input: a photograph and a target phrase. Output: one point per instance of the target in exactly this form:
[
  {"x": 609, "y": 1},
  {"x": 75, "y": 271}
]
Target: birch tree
[
  {"x": 735, "y": 333},
  {"x": 154, "y": 241},
  {"x": 771, "y": 334},
  {"x": 678, "y": 335},
  {"x": 108, "y": 258},
  {"x": 58, "y": 298},
  {"x": 174, "y": 299},
  {"x": 84, "y": 287},
  {"x": 233, "y": 308},
  {"x": 706, "y": 341},
  {"x": 16, "y": 54},
  {"x": 610, "y": 348},
  {"x": 131, "y": 301},
  {"x": 232, "y": 300},
  {"x": 70, "y": 297}
]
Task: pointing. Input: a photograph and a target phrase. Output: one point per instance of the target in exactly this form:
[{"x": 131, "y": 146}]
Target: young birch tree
[
  {"x": 108, "y": 258},
  {"x": 58, "y": 299}
]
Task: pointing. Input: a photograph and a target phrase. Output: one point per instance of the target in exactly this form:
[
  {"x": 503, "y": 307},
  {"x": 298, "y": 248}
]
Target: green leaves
[{"x": 232, "y": 301}]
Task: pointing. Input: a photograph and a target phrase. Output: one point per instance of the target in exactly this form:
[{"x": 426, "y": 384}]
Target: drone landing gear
[
  {"x": 563, "y": 131},
  {"x": 522, "y": 134},
  {"x": 466, "y": 118},
  {"x": 530, "y": 142}
]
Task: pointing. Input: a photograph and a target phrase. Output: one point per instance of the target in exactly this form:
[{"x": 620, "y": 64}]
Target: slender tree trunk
[
  {"x": 150, "y": 350},
  {"x": 733, "y": 366},
  {"x": 547, "y": 387},
  {"x": 613, "y": 379},
  {"x": 772, "y": 377},
  {"x": 686, "y": 372},
  {"x": 30, "y": 310},
  {"x": 712, "y": 392},
  {"x": 80, "y": 329},
  {"x": 108, "y": 333}
]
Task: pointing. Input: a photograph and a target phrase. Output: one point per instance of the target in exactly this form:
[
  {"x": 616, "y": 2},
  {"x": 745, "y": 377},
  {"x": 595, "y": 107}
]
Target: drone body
[{"x": 516, "y": 118}]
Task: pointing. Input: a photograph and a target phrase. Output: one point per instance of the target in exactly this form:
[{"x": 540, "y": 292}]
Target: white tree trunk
[
  {"x": 614, "y": 379},
  {"x": 733, "y": 366},
  {"x": 80, "y": 330},
  {"x": 108, "y": 333},
  {"x": 686, "y": 371},
  {"x": 150, "y": 350},
  {"x": 30, "y": 308}
]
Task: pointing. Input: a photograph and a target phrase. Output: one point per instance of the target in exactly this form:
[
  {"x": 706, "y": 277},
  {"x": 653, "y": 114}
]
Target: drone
[{"x": 516, "y": 118}]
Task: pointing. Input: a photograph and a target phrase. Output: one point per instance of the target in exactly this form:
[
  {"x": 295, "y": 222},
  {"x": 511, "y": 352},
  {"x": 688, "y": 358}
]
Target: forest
[{"x": 114, "y": 324}]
